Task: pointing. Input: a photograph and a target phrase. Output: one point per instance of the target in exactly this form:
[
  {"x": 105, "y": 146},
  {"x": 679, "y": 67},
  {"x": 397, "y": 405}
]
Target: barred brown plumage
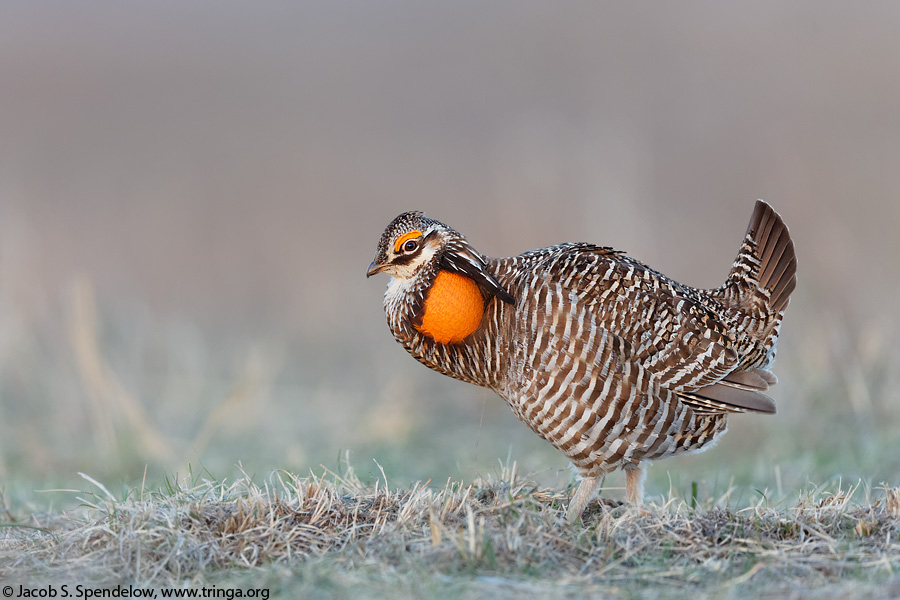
[{"x": 613, "y": 363}]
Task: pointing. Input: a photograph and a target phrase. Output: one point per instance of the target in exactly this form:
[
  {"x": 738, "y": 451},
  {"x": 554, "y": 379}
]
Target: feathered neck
[{"x": 405, "y": 303}]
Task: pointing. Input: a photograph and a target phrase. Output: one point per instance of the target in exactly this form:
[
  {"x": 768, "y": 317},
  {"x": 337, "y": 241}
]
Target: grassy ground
[
  {"x": 188, "y": 201},
  {"x": 331, "y": 535},
  {"x": 774, "y": 510}
]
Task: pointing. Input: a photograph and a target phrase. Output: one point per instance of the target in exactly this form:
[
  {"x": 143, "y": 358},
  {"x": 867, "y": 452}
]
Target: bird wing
[
  {"x": 659, "y": 328},
  {"x": 578, "y": 386}
]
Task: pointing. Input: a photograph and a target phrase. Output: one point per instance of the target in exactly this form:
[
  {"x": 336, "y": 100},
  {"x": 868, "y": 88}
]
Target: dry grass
[
  {"x": 330, "y": 534},
  {"x": 334, "y": 535}
]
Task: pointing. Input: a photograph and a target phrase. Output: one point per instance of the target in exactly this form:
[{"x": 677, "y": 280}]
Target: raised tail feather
[
  {"x": 766, "y": 262},
  {"x": 759, "y": 286}
]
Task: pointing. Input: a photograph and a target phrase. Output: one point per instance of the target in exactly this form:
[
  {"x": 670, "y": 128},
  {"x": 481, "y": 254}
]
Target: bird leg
[
  {"x": 634, "y": 484},
  {"x": 582, "y": 496}
]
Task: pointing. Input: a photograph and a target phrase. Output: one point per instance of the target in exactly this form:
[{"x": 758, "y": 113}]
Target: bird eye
[{"x": 410, "y": 245}]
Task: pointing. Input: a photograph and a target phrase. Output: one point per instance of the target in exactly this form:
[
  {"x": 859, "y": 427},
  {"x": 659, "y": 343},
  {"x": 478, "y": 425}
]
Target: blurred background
[{"x": 190, "y": 194}]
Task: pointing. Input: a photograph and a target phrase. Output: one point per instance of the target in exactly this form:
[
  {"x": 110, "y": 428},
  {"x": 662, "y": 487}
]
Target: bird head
[{"x": 414, "y": 246}]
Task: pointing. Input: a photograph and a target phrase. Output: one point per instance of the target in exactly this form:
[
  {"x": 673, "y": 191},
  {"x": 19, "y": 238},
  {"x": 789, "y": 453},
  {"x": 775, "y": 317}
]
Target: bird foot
[{"x": 600, "y": 506}]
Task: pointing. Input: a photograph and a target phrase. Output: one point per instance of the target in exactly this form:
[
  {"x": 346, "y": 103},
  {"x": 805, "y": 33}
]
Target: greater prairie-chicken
[{"x": 613, "y": 363}]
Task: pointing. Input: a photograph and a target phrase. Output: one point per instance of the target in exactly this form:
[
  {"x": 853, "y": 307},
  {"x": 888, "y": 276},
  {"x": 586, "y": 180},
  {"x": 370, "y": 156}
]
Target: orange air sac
[{"x": 453, "y": 308}]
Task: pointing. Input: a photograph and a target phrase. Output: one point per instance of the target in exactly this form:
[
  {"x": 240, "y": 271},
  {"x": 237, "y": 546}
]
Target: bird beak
[{"x": 374, "y": 269}]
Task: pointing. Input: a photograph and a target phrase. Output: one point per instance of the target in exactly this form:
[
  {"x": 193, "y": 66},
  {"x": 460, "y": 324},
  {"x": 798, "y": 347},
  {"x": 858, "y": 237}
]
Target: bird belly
[{"x": 616, "y": 433}]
